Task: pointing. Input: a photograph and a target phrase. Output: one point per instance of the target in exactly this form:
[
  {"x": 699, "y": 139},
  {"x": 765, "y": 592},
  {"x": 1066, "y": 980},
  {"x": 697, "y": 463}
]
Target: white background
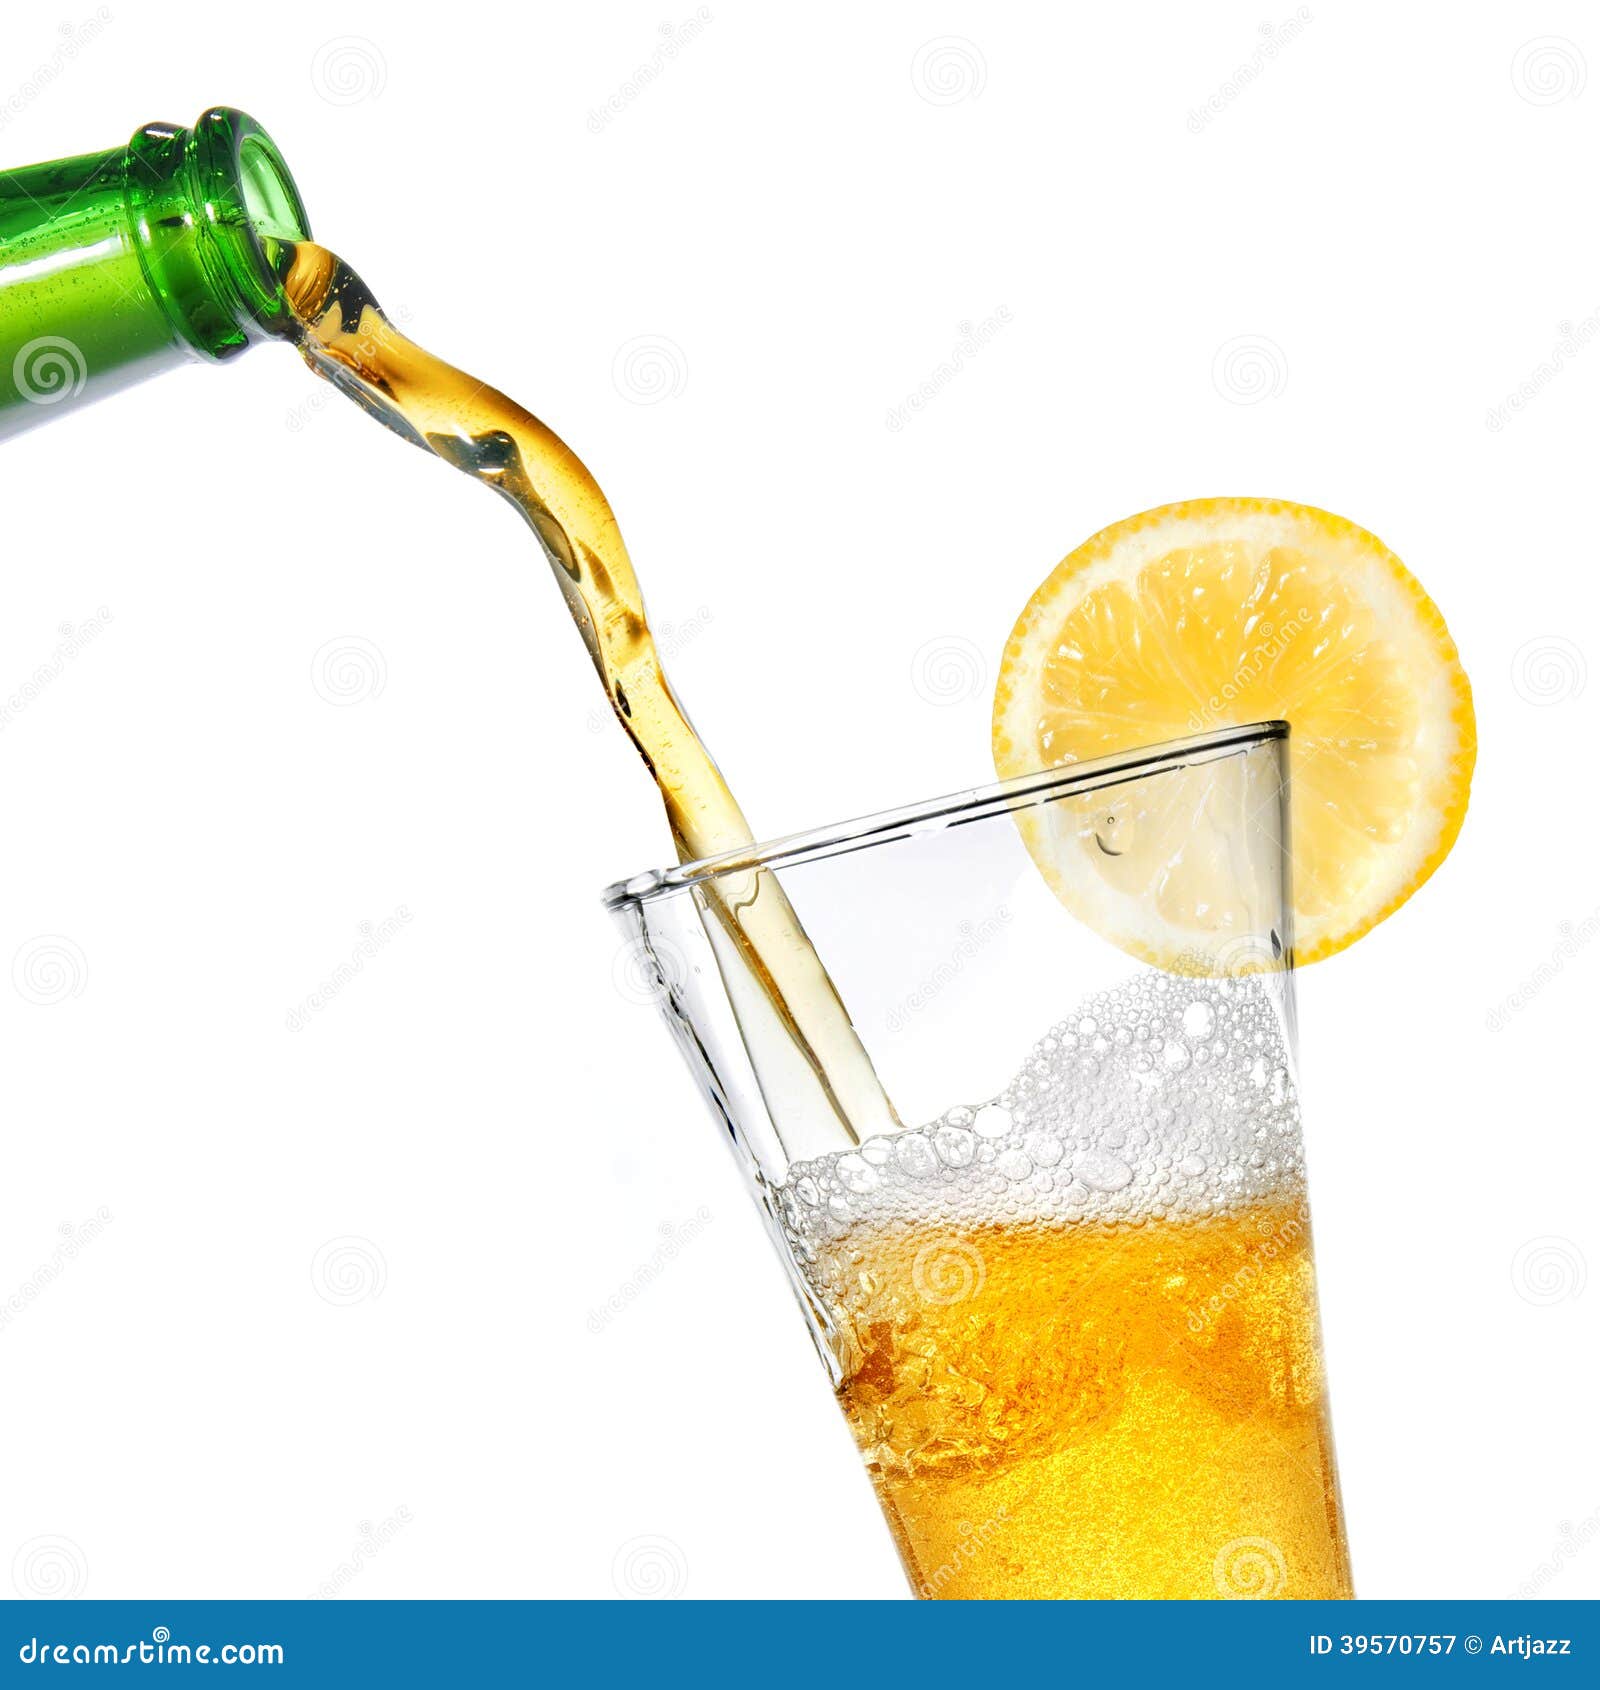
[{"x": 1396, "y": 217}]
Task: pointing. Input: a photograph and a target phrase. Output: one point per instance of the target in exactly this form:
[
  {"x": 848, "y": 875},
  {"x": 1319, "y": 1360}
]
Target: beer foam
[{"x": 1165, "y": 1098}]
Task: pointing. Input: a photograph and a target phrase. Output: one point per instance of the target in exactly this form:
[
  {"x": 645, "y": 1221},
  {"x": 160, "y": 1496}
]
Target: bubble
[
  {"x": 1101, "y": 1171},
  {"x": 1014, "y": 1164},
  {"x": 992, "y": 1121},
  {"x": 1165, "y": 1098},
  {"x": 1199, "y": 1020},
  {"x": 955, "y": 1145},
  {"x": 857, "y": 1175},
  {"x": 915, "y": 1156}
]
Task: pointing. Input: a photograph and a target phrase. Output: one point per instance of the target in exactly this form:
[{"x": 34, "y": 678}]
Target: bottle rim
[
  {"x": 202, "y": 204},
  {"x": 250, "y": 196}
]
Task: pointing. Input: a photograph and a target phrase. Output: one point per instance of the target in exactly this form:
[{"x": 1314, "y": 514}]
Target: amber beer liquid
[{"x": 1108, "y": 1387}]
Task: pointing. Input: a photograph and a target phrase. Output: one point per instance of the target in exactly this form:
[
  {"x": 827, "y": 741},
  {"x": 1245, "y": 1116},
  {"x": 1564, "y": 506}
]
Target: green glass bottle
[{"x": 115, "y": 266}]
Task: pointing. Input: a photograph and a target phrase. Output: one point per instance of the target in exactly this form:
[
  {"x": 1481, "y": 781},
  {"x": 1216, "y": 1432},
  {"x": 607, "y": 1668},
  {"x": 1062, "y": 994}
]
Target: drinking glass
[{"x": 1062, "y": 1282}]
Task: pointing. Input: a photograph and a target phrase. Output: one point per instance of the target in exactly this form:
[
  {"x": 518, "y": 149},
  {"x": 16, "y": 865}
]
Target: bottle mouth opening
[
  {"x": 271, "y": 199},
  {"x": 249, "y": 197}
]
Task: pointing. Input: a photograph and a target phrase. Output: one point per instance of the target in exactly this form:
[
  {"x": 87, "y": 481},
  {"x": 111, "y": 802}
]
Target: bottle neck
[
  {"x": 115, "y": 266},
  {"x": 200, "y": 202}
]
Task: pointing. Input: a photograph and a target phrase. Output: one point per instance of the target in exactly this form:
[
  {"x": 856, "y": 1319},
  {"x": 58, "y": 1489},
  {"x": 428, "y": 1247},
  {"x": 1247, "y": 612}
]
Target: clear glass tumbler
[{"x": 1064, "y": 1287}]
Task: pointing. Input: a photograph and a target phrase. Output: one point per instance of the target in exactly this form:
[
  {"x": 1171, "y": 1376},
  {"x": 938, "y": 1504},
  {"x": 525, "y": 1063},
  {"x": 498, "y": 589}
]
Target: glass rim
[{"x": 934, "y": 815}]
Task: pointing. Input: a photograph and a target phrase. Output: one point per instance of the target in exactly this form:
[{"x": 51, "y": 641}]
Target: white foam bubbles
[{"x": 1165, "y": 1097}]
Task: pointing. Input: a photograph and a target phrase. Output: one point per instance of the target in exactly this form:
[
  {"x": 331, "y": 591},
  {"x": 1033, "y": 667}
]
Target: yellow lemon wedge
[{"x": 1221, "y": 612}]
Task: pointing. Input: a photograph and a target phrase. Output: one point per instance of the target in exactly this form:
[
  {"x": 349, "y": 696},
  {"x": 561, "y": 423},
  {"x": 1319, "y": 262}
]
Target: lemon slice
[{"x": 1221, "y": 612}]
